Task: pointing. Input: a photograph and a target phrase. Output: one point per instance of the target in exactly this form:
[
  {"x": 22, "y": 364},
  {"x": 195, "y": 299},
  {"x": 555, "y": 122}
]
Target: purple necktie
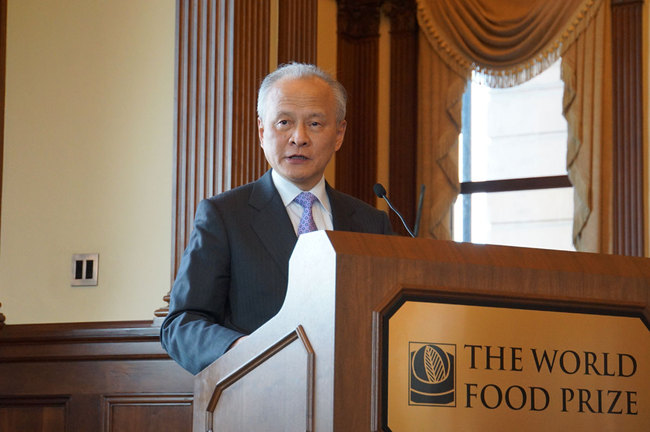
[{"x": 307, "y": 224}]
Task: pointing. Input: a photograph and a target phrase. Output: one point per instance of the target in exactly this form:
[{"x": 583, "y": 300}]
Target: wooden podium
[{"x": 322, "y": 363}]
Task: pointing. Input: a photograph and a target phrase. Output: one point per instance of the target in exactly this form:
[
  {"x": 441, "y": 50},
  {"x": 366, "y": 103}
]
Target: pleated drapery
[
  {"x": 507, "y": 42},
  {"x": 587, "y": 106}
]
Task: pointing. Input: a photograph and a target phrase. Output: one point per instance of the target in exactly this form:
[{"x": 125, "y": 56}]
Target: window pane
[
  {"x": 520, "y": 131},
  {"x": 515, "y": 133},
  {"x": 536, "y": 218}
]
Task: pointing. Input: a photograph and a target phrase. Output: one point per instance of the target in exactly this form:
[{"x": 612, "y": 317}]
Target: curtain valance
[{"x": 506, "y": 42}]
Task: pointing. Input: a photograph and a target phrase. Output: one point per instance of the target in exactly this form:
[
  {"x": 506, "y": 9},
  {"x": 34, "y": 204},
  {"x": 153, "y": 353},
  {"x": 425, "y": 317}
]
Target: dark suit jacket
[{"x": 233, "y": 274}]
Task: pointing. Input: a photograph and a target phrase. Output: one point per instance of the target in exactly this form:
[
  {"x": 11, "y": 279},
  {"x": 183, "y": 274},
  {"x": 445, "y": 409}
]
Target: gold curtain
[
  {"x": 440, "y": 92},
  {"x": 507, "y": 42},
  {"x": 587, "y": 106}
]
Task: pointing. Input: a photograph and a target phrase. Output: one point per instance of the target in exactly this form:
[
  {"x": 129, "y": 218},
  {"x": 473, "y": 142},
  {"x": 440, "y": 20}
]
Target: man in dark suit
[{"x": 233, "y": 274}]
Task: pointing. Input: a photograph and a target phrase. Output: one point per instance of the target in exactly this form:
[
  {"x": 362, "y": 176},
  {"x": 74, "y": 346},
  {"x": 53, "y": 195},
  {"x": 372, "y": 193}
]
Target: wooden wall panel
[
  {"x": 357, "y": 70},
  {"x": 147, "y": 413},
  {"x": 33, "y": 414},
  {"x": 628, "y": 157},
  {"x": 190, "y": 93},
  {"x": 90, "y": 377},
  {"x": 403, "y": 110},
  {"x": 299, "y": 43},
  {"x": 250, "y": 58},
  {"x": 222, "y": 55}
]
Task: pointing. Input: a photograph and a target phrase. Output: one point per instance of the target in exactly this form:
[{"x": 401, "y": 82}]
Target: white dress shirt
[{"x": 321, "y": 210}]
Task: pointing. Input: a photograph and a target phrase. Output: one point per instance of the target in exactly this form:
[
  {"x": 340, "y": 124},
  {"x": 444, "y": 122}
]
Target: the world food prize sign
[
  {"x": 552, "y": 371},
  {"x": 432, "y": 374}
]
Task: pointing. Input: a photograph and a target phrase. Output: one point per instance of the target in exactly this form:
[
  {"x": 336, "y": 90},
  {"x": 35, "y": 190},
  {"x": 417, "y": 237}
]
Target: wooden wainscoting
[{"x": 90, "y": 377}]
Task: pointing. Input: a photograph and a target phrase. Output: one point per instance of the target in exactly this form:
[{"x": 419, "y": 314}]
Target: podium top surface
[
  {"x": 398, "y": 247},
  {"x": 489, "y": 274}
]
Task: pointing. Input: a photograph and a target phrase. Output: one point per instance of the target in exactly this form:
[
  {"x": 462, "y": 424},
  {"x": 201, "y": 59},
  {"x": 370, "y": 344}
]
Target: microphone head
[{"x": 379, "y": 190}]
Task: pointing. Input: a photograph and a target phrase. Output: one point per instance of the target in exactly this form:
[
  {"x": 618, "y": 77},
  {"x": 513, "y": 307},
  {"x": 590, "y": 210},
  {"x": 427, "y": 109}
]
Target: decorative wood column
[
  {"x": 297, "y": 22},
  {"x": 403, "y": 109},
  {"x": 628, "y": 160},
  {"x": 222, "y": 55},
  {"x": 357, "y": 64}
]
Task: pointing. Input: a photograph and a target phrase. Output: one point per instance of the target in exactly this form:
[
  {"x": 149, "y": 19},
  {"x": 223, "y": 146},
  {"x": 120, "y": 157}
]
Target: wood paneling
[
  {"x": 358, "y": 63},
  {"x": 403, "y": 110},
  {"x": 250, "y": 63},
  {"x": 628, "y": 160},
  {"x": 33, "y": 414},
  {"x": 90, "y": 377},
  {"x": 222, "y": 55},
  {"x": 147, "y": 413},
  {"x": 297, "y": 24},
  {"x": 357, "y": 70}
]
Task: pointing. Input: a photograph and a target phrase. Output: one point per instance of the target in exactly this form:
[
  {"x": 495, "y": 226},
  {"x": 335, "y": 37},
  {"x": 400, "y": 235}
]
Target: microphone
[
  {"x": 380, "y": 191},
  {"x": 418, "y": 215}
]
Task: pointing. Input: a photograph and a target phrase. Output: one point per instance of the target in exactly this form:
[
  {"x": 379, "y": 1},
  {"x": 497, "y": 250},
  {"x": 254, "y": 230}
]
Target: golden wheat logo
[
  {"x": 434, "y": 365},
  {"x": 432, "y": 374}
]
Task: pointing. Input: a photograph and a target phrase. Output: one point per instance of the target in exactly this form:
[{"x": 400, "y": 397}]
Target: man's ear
[
  {"x": 340, "y": 134},
  {"x": 260, "y": 130}
]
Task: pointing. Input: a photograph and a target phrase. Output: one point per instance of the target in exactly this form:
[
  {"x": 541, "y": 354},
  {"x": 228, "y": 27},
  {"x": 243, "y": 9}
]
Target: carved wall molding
[
  {"x": 359, "y": 19},
  {"x": 402, "y": 14}
]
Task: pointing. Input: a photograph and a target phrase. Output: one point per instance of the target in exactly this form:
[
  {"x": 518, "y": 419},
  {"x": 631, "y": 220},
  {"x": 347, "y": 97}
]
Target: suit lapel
[{"x": 271, "y": 223}]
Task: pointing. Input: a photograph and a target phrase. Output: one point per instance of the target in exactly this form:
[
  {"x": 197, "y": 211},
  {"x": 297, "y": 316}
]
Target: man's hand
[{"x": 236, "y": 342}]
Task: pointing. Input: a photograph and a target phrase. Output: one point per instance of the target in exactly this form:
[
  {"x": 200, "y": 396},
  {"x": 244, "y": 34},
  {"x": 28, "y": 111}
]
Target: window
[{"x": 512, "y": 166}]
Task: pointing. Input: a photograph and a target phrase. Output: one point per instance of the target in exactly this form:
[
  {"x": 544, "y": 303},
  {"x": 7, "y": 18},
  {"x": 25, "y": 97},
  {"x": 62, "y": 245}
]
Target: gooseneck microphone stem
[
  {"x": 380, "y": 191},
  {"x": 400, "y": 217},
  {"x": 416, "y": 227}
]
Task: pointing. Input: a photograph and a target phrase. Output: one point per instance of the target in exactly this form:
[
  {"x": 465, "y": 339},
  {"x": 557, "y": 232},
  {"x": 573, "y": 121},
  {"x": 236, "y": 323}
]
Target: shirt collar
[{"x": 288, "y": 191}]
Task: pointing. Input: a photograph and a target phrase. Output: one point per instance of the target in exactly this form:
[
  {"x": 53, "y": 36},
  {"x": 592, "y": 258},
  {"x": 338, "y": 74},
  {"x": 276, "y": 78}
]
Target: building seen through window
[{"x": 512, "y": 166}]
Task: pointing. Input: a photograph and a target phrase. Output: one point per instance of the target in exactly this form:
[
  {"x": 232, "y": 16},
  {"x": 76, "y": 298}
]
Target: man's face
[{"x": 299, "y": 133}]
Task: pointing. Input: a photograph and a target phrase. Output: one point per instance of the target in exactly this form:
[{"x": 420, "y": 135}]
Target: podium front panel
[{"x": 462, "y": 367}]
